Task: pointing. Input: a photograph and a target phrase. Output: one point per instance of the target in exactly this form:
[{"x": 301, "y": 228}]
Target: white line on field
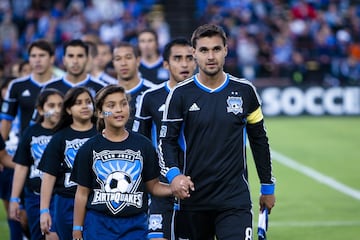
[
  {"x": 314, "y": 223},
  {"x": 315, "y": 175}
]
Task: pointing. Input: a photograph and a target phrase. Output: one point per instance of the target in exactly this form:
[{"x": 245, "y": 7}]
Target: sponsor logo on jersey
[
  {"x": 194, "y": 107},
  {"x": 235, "y": 105},
  {"x": 119, "y": 174},
  {"x": 26, "y": 93}
]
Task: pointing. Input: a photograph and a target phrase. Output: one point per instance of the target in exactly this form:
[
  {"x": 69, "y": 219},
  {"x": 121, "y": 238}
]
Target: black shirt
[
  {"x": 155, "y": 73},
  {"x": 58, "y": 158},
  {"x": 20, "y": 100},
  {"x": 64, "y": 85},
  {"x": 116, "y": 172},
  {"x": 214, "y": 124},
  {"x": 29, "y": 152}
]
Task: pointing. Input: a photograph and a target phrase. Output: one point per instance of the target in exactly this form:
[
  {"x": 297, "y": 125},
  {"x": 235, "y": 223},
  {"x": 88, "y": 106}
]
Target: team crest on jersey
[
  {"x": 155, "y": 221},
  {"x": 71, "y": 148},
  {"x": 5, "y": 107},
  {"x": 119, "y": 174},
  {"x": 38, "y": 145},
  {"x": 235, "y": 105}
]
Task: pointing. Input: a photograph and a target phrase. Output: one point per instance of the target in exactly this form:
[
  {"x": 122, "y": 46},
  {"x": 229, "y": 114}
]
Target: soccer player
[
  {"x": 214, "y": 112},
  {"x": 179, "y": 61},
  {"x": 114, "y": 170},
  {"x": 76, "y": 55},
  {"x": 7, "y": 166},
  {"x": 95, "y": 65},
  {"x": 22, "y": 92},
  {"x": 75, "y": 127},
  {"x": 151, "y": 64},
  {"x": 27, "y": 158},
  {"x": 126, "y": 62}
]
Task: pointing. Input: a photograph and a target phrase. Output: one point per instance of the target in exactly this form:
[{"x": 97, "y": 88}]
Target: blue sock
[{"x": 15, "y": 230}]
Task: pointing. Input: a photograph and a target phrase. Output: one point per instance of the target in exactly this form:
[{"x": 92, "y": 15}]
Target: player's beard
[
  {"x": 212, "y": 72},
  {"x": 77, "y": 74}
]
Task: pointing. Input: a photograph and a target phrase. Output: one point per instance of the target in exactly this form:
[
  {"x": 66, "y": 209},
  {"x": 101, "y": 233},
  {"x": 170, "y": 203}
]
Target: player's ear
[
  {"x": 68, "y": 111},
  {"x": 100, "y": 114},
  {"x": 166, "y": 65}
]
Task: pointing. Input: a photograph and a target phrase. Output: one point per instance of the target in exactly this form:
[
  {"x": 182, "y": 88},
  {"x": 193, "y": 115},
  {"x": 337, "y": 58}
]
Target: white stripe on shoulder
[
  {"x": 185, "y": 82},
  {"x": 54, "y": 80},
  {"x": 20, "y": 79},
  {"x": 91, "y": 78},
  {"x": 148, "y": 83},
  {"x": 247, "y": 82}
]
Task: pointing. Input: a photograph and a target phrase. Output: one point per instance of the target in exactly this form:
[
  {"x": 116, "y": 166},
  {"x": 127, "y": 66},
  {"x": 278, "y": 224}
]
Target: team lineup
[{"x": 152, "y": 147}]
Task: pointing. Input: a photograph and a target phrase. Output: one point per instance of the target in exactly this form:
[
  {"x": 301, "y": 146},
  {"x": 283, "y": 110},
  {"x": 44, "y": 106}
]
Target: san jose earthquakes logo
[
  {"x": 235, "y": 105},
  {"x": 71, "y": 148},
  {"x": 119, "y": 174}
]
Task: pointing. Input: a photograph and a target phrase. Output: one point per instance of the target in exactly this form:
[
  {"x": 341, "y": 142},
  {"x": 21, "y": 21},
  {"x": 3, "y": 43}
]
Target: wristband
[
  {"x": 44, "y": 210},
  {"x": 78, "y": 228},
  {"x": 267, "y": 189},
  {"x": 77, "y": 238},
  {"x": 172, "y": 173},
  {"x": 15, "y": 199}
]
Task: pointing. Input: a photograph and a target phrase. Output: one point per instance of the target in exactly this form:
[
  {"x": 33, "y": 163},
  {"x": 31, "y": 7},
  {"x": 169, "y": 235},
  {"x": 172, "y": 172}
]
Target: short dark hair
[
  {"x": 151, "y": 31},
  {"x": 208, "y": 30},
  {"x": 76, "y": 43},
  {"x": 126, "y": 44},
  {"x": 22, "y": 64},
  {"x": 177, "y": 41},
  {"x": 92, "y": 48},
  {"x": 43, "y": 45}
]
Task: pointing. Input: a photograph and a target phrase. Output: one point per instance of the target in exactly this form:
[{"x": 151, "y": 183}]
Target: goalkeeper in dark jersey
[{"x": 215, "y": 113}]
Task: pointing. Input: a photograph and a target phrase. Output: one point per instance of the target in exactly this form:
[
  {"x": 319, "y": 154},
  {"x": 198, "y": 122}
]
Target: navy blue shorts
[
  {"x": 32, "y": 208},
  {"x": 229, "y": 224},
  {"x": 98, "y": 226},
  {"x": 64, "y": 215}
]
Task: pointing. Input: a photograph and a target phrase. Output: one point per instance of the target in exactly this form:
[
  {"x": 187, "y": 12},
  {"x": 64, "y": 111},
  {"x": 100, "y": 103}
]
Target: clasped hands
[{"x": 181, "y": 186}]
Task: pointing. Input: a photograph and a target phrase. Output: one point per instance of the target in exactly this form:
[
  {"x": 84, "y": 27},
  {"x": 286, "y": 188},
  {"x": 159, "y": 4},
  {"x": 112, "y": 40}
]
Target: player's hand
[
  {"x": 45, "y": 223},
  {"x": 267, "y": 201},
  {"x": 14, "y": 211},
  {"x": 181, "y": 186},
  {"x": 77, "y": 235}
]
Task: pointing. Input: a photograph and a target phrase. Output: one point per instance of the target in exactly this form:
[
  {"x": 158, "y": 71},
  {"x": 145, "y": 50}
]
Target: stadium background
[{"x": 304, "y": 57}]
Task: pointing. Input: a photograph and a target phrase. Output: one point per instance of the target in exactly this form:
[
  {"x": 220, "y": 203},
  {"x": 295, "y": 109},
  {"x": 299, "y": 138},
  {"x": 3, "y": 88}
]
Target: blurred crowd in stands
[{"x": 307, "y": 42}]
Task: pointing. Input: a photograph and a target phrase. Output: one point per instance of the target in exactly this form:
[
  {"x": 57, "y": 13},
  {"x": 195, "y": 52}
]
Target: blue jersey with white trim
[
  {"x": 135, "y": 96},
  {"x": 150, "y": 111},
  {"x": 155, "y": 73},
  {"x": 214, "y": 124},
  {"x": 63, "y": 85}
]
